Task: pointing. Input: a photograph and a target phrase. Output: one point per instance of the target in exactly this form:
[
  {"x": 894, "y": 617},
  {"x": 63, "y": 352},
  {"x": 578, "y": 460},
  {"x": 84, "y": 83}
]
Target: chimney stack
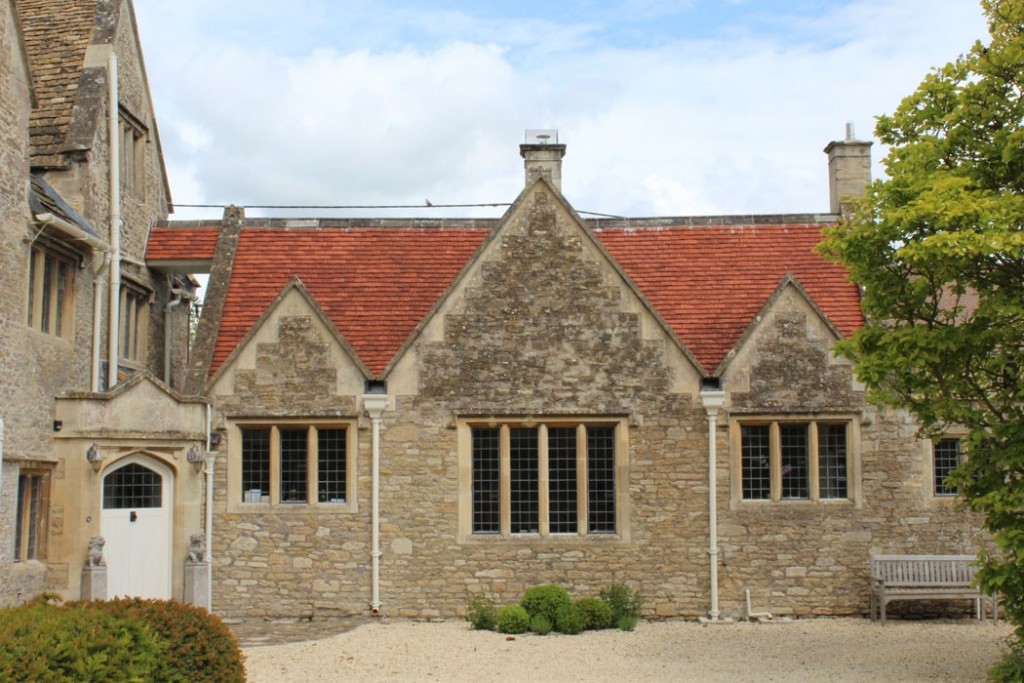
[
  {"x": 849, "y": 170},
  {"x": 543, "y": 157}
]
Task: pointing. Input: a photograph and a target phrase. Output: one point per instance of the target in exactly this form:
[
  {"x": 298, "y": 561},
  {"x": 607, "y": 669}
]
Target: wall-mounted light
[
  {"x": 94, "y": 457},
  {"x": 196, "y": 457}
]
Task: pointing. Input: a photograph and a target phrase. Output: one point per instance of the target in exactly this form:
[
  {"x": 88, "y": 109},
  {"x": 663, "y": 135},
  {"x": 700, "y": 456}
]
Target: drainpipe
[
  {"x": 712, "y": 399},
  {"x": 113, "y": 335},
  {"x": 99, "y": 247},
  {"x": 97, "y": 318},
  {"x": 211, "y": 459},
  {"x": 2, "y": 459},
  {"x": 374, "y": 405}
]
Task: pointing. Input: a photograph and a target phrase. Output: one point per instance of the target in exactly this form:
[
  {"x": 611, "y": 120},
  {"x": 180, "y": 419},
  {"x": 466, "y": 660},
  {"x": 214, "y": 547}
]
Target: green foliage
[
  {"x": 596, "y": 613},
  {"x": 481, "y": 612},
  {"x": 198, "y": 646},
  {"x": 1011, "y": 668},
  {"x": 513, "y": 619},
  {"x": 546, "y": 600},
  {"x": 939, "y": 248},
  {"x": 626, "y": 622},
  {"x": 43, "y": 642},
  {"x": 622, "y": 600},
  {"x": 570, "y": 619},
  {"x": 540, "y": 624}
]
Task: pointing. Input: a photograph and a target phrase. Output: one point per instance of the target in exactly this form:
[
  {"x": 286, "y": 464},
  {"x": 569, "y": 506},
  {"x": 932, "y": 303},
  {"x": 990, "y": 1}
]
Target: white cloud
[{"x": 731, "y": 123}]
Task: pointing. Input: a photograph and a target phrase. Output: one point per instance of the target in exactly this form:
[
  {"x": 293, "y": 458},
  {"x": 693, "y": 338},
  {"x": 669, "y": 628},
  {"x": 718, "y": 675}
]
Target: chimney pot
[{"x": 543, "y": 157}]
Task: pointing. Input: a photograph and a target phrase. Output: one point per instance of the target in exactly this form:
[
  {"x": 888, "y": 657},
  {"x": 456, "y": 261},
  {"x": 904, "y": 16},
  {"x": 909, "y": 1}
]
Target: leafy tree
[{"x": 939, "y": 248}]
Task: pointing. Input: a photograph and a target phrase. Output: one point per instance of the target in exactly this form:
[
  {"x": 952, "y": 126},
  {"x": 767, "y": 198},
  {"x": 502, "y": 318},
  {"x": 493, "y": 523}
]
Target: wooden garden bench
[{"x": 924, "y": 577}]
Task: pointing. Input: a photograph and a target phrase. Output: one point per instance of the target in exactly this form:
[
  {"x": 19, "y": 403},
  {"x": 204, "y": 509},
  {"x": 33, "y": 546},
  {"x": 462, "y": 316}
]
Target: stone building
[
  {"x": 388, "y": 416},
  {"x": 91, "y": 340},
  {"x": 412, "y": 411}
]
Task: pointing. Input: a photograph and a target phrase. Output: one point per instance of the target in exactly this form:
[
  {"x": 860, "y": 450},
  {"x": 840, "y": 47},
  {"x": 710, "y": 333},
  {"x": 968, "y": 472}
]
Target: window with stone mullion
[
  {"x": 524, "y": 456},
  {"x": 563, "y": 502},
  {"x": 795, "y": 469},
  {"x": 294, "y": 464},
  {"x": 756, "y": 462},
  {"x": 832, "y": 476}
]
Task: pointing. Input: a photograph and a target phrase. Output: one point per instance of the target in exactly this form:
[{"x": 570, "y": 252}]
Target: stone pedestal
[
  {"x": 94, "y": 583},
  {"x": 197, "y": 584}
]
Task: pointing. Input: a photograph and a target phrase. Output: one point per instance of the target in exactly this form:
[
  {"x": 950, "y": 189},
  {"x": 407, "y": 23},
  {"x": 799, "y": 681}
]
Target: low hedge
[{"x": 128, "y": 639}]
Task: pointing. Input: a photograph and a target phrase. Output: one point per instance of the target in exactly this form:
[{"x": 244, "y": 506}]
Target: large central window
[
  {"x": 297, "y": 464},
  {"x": 544, "y": 479}
]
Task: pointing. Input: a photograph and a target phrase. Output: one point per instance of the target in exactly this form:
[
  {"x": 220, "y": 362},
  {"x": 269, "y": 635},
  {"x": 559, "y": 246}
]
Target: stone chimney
[
  {"x": 543, "y": 156},
  {"x": 849, "y": 170}
]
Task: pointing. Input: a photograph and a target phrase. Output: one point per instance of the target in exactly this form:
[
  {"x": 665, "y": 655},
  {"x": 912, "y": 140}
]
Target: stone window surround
[
  {"x": 929, "y": 458},
  {"x": 132, "y": 149},
  {"x": 24, "y": 518},
  {"x": 854, "y": 492},
  {"x": 134, "y": 311},
  {"x": 62, "y": 304},
  {"x": 465, "y": 505},
  {"x": 234, "y": 467}
]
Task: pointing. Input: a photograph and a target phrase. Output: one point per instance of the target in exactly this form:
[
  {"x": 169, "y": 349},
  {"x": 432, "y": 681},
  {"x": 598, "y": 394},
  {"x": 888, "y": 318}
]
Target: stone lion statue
[
  {"x": 196, "y": 547},
  {"x": 95, "y": 556}
]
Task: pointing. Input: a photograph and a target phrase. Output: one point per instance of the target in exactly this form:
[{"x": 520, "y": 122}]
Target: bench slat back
[{"x": 924, "y": 570}]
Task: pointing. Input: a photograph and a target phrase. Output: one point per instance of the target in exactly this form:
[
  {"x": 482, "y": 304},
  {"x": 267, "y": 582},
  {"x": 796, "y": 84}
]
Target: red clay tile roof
[
  {"x": 709, "y": 282},
  {"x": 182, "y": 244},
  {"x": 375, "y": 284}
]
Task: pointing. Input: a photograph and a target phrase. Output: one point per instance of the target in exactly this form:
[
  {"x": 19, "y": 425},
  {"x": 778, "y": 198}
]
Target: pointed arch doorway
[{"x": 136, "y": 525}]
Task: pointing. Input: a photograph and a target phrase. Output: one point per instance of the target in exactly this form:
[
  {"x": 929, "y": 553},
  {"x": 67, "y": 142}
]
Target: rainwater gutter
[
  {"x": 713, "y": 398},
  {"x": 374, "y": 405},
  {"x": 113, "y": 336}
]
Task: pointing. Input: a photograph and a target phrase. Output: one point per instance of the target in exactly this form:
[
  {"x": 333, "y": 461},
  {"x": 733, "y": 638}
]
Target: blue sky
[{"x": 668, "y": 107}]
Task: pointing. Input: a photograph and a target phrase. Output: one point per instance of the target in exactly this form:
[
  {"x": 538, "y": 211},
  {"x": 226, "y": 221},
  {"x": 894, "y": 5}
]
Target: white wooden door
[{"x": 136, "y": 525}]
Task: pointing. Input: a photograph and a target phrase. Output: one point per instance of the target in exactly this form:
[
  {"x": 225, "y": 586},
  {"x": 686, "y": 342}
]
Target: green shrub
[
  {"x": 1010, "y": 668},
  {"x": 546, "y": 600},
  {"x": 43, "y": 642},
  {"x": 198, "y": 646},
  {"x": 540, "y": 624},
  {"x": 481, "y": 612},
  {"x": 570, "y": 620},
  {"x": 513, "y": 619},
  {"x": 596, "y": 613},
  {"x": 622, "y": 600},
  {"x": 627, "y": 622}
]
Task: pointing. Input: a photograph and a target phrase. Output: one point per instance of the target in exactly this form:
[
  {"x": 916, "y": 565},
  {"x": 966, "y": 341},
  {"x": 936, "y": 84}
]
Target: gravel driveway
[{"x": 800, "y": 650}]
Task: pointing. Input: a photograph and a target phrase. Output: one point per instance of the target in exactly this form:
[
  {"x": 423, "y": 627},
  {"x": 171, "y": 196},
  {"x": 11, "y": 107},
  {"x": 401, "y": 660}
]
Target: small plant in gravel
[
  {"x": 482, "y": 612},
  {"x": 626, "y": 623},
  {"x": 540, "y": 624},
  {"x": 513, "y": 619},
  {"x": 596, "y": 613},
  {"x": 570, "y": 620},
  {"x": 546, "y": 600},
  {"x": 623, "y": 601}
]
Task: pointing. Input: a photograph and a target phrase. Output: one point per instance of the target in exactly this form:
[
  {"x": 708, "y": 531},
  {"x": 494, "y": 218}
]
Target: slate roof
[
  {"x": 56, "y": 35},
  {"x": 45, "y": 199},
  {"x": 708, "y": 281}
]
